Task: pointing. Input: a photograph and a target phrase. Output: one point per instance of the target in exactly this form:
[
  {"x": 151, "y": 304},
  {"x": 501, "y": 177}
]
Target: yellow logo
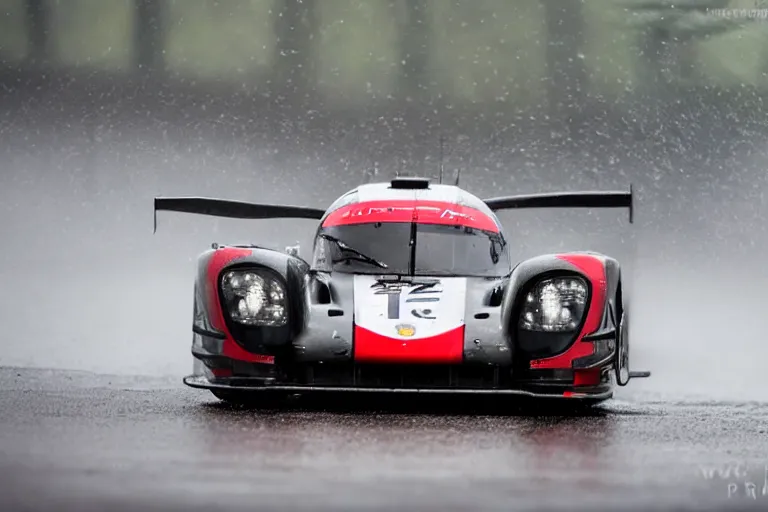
[{"x": 406, "y": 330}]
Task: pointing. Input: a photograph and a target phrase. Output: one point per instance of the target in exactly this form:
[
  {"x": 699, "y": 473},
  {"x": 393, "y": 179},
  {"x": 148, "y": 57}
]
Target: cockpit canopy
[{"x": 386, "y": 248}]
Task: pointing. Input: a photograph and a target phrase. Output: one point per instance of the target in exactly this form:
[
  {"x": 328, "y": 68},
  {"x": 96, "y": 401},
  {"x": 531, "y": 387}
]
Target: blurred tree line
[
  {"x": 131, "y": 94},
  {"x": 558, "y": 53}
]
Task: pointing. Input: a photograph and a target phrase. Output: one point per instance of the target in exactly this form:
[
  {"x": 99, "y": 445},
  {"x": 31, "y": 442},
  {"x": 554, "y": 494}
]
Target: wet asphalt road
[{"x": 78, "y": 441}]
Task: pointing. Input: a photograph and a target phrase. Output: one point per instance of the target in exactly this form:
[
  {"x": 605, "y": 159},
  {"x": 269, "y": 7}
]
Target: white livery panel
[{"x": 428, "y": 307}]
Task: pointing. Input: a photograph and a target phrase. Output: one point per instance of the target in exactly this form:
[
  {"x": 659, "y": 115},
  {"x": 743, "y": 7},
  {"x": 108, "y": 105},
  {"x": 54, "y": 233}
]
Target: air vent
[{"x": 410, "y": 183}]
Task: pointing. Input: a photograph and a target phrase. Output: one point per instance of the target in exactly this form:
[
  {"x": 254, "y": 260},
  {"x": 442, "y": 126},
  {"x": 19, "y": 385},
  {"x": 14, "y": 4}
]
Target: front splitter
[{"x": 260, "y": 386}]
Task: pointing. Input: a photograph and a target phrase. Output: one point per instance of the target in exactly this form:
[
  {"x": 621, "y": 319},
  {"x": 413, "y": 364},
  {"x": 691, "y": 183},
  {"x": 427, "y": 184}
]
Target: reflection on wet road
[{"x": 76, "y": 441}]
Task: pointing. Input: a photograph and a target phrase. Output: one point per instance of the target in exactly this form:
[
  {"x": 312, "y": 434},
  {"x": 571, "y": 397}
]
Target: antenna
[
  {"x": 370, "y": 174},
  {"x": 442, "y": 140},
  {"x": 458, "y": 175}
]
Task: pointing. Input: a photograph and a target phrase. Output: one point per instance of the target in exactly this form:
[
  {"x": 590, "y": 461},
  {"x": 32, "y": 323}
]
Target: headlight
[
  {"x": 554, "y": 305},
  {"x": 254, "y": 298}
]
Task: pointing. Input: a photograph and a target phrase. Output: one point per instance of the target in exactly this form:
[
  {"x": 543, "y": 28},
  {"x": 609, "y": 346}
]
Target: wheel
[
  {"x": 622, "y": 349},
  {"x": 249, "y": 399}
]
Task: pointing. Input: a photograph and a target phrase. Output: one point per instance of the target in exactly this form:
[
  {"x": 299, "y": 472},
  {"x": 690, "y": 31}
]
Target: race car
[{"x": 410, "y": 289}]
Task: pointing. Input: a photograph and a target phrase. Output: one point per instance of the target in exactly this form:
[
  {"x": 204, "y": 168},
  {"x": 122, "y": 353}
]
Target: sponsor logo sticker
[{"x": 405, "y": 330}]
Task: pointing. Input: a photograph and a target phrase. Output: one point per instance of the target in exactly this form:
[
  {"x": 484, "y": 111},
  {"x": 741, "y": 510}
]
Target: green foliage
[
  {"x": 92, "y": 33},
  {"x": 222, "y": 39},
  {"x": 13, "y": 38},
  {"x": 609, "y": 49},
  {"x": 484, "y": 51},
  {"x": 680, "y": 21},
  {"x": 490, "y": 50},
  {"x": 356, "y": 51},
  {"x": 691, "y": 42}
]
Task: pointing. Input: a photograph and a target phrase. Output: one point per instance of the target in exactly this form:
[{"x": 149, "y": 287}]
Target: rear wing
[
  {"x": 608, "y": 199},
  {"x": 243, "y": 210},
  {"x": 233, "y": 209}
]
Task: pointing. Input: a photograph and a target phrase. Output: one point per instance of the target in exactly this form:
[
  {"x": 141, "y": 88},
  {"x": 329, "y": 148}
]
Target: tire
[{"x": 622, "y": 348}]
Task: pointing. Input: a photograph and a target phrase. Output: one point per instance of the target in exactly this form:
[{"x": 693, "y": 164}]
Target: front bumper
[{"x": 256, "y": 385}]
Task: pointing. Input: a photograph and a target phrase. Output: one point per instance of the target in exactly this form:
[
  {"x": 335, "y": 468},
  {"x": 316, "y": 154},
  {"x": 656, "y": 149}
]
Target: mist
[{"x": 105, "y": 105}]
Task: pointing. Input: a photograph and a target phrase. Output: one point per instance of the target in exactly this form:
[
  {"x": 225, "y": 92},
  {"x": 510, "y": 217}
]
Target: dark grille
[{"x": 405, "y": 376}]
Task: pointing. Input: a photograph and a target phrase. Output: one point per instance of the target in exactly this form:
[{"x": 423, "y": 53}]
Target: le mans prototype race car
[{"x": 411, "y": 288}]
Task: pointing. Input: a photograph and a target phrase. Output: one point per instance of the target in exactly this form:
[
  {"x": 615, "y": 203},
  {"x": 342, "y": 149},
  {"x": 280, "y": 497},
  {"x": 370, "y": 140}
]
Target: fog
[{"x": 542, "y": 96}]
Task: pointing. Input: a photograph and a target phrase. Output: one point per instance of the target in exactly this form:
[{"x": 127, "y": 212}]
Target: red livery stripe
[
  {"x": 410, "y": 210},
  {"x": 371, "y": 347},
  {"x": 593, "y": 269},
  {"x": 589, "y": 377},
  {"x": 221, "y": 373},
  {"x": 220, "y": 259}
]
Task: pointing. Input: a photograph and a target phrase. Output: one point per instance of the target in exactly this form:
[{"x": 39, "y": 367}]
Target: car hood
[{"x": 409, "y": 321}]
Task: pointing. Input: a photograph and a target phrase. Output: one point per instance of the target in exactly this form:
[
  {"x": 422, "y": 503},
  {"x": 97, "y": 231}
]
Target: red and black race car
[{"x": 411, "y": 288}]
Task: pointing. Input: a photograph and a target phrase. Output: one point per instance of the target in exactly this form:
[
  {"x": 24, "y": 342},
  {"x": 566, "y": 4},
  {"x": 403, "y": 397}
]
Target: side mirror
[{"x": 293, "y": 250}]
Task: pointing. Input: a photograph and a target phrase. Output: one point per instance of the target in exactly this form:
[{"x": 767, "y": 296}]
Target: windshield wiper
[
  {"x": 400, "y": 278},
  {"x": 358, "y": 256}
]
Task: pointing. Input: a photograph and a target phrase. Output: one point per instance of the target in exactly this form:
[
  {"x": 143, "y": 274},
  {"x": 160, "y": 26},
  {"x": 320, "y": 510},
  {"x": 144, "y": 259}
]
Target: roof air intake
[{"x": 410, "y": 183}]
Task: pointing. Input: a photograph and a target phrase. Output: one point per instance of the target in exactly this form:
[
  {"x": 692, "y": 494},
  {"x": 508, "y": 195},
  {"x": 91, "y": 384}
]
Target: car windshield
[{"x": 384, "y": 248}]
